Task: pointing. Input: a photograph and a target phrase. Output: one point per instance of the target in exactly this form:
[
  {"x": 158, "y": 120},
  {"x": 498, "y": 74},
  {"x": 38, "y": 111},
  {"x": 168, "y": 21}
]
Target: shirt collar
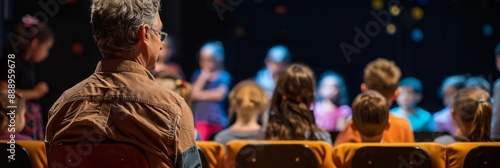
[{"x": 121, "y": 65}]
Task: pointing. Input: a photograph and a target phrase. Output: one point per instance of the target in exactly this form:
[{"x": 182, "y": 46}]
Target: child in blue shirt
[{"x": 411, "y": 95}]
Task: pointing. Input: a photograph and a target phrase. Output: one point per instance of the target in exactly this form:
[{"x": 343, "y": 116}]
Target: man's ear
[
  {"x": 144, "y": 36},
  {"x": 364, "y": 88}
]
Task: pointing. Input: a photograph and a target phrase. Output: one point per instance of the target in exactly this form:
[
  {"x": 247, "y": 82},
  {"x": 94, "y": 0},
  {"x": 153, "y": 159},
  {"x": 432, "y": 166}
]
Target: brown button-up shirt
[{"x": 122, "y": 102}]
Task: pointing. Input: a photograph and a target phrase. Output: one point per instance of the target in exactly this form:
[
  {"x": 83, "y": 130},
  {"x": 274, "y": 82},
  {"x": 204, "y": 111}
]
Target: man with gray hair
[{"x": 121, "y": 102}]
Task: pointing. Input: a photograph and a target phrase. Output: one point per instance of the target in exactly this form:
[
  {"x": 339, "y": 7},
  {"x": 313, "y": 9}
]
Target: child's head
[
  {"x": 277, "y": 58},
  {"x": 33, "y": 38},
  {"x": 450, "y": 86},
  {"x": 411, "y": 92},
  {"x": 174, "y": 83},
  {"x": 212, "y": 56},
  {"x": 291, "y": 117},
  {"x": 332, "y": 87},
  {"x": 370, "y": 115},
  {"x": 247, "y": 99},
  {"x": 472, "y": 111},
  {"x": 479, "y": 82},
  {"x": 5, "y": 117},
  {"x": 382, "y": 76}
]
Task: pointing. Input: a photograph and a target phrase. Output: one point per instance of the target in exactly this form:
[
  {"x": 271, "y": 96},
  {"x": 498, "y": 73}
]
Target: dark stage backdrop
[{"x": 454, "y": 41}]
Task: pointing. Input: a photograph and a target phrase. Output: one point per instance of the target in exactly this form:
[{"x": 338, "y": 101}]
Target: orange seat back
[
  {"x": 321, "y": 150},
  {"x": 213, "y": 152}
]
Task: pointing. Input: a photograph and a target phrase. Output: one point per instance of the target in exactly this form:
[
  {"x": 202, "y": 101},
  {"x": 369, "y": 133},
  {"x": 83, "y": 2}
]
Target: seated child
[
  {"x": 331, "y": 109},
  {"x": 247, "y": 100},
  {"x": 382, "y": 76},
  {"x": 370, "y": 116},
  {"x": 411, "y": 95},
  {"x": 291, "y": 117},
  {"x": 471, "y": 111},
  {"x": 442, "y": 119},
  {"x": 12, "y": 123}
]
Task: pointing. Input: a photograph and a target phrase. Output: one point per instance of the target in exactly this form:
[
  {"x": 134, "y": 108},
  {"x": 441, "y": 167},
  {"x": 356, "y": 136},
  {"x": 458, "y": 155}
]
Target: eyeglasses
[{"x": 163, "y": 35}]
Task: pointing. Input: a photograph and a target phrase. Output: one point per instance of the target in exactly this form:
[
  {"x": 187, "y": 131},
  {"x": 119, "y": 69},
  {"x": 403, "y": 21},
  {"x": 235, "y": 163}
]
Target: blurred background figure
[
  {"x": 35, "y": 41},
  {"x": 247, "y": 100},
  {"x": 5, "y": 117},
  {"x": 471, "y": 111},
  {"x": 164, "y": 62},
  {"x": 331, "y": 109},
  {"x": 278, "y": 57},
  {"x": 290, "y": 117},
  {"x": 411, "y": 95},
  {"x": 478, "y": 82},
  {"x": 442, "y": 118},
  {"x": 495, "y": 123},
  {"x": 210, "y": 87}
]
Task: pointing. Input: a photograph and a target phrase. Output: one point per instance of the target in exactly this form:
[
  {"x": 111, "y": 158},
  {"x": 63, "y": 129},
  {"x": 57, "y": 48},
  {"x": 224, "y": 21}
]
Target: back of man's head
[
  {"x": 116, "y": 24},
  {"x": 382, "y": 76},
  {"x": 370, "y": 114}
]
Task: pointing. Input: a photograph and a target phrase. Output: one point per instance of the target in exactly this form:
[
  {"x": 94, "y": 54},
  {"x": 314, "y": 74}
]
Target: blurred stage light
[
  {"x": 391, "y": 29},
  {"x": 487, "y": 30},
  {"x": 377, "y": 4},
  {"x": 395, "y": 10},
  {"x": 417, "y": 35},
  {"x": 417, "y": 13},
  {"x": 280, "y": 9},
  {"x": 239, "y": 31}
]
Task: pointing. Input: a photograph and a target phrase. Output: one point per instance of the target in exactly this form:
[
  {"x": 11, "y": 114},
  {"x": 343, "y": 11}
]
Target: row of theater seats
[
  {"x": 266, "y": 153},
  {"x": 321, "y": 154}
]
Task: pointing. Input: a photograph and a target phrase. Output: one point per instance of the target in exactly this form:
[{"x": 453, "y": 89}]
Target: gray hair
[{"x": 116, "y": 24}]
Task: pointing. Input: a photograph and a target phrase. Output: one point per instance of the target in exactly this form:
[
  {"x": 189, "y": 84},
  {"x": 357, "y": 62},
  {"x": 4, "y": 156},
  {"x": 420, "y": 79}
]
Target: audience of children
[
  {"x": 247, "y": 100},
  {"x": 370, "y": 116},
  {"x": 32, "y": 46},
  {"x": 411, "y": 95},
  {"x": 210, "y": 87},
  {"x": 471, "y": 111},
  {"x": 382, "y": 76},
  {"x": 442, "y": 118},
  {"x": 13, "y": 117},
  {"x": 331, "y": 109},
  {"x": 291, "y": 117}
]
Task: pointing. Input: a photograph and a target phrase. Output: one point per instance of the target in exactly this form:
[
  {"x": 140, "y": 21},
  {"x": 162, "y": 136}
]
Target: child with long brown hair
[
  {"x": 291, "y": 117},
  {"x": 471, "y": 112}
]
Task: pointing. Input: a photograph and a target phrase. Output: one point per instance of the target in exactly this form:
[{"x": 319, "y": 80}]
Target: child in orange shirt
[{"x": 382, "y": 76}]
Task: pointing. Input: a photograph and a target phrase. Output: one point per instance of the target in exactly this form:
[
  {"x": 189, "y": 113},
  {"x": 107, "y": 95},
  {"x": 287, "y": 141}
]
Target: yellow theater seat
[
  {"x": 343, "y": 154},
  {"x": 213, "y": 153},
  {"x": 320, "y": 149},
  {"x": 457, "y": 152},
  {"x": 36, "y": 150}
]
